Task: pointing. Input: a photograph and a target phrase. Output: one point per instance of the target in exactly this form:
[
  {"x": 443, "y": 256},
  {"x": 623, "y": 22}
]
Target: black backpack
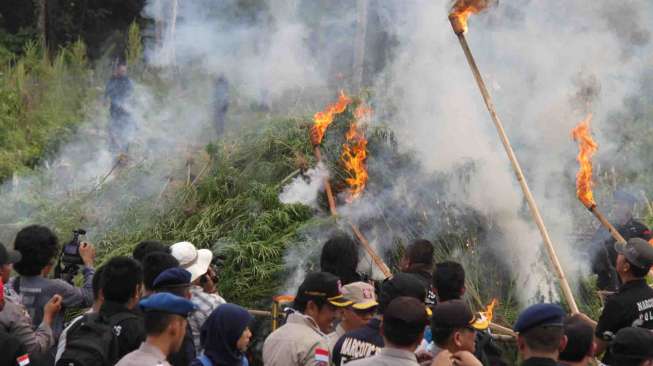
[{"x": 93, "y": 341}]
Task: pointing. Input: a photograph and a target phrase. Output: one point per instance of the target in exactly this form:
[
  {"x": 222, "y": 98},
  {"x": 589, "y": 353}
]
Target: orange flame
[
  {"x": 489, "y": 310},
  {"x": 462, "y": 9},
  {"x": 586, "y": 149},
  {"x": 354, "y": 154},
  {"x": 484, "y": 318},
  {"x": 323, "y": 119}
]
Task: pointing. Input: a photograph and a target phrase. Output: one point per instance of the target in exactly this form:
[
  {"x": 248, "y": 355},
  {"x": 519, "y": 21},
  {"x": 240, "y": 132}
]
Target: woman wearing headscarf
[{"x": 225, "y": 336}]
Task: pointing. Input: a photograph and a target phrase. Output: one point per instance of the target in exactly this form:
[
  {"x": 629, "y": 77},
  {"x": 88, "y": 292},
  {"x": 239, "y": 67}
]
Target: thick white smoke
[{"x": 305, "y": 189}]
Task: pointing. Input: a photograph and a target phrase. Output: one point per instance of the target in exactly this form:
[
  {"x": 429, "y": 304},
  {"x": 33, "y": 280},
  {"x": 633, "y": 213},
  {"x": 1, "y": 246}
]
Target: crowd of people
[{"x": 160, "y": 306}]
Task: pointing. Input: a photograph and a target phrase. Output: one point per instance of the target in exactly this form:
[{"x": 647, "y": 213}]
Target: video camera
[{"x": 70, "y": 259}]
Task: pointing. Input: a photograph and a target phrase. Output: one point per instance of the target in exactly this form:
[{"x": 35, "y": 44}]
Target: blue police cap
[
  {"x": 540, "y": 315},
  {"x": 168, "y": 303},
  {"x": 172, "y": 277}
]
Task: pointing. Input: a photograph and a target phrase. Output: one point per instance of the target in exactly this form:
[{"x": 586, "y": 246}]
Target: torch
[
  {"x": 458, "y": 18},
  {"x": 322, "y": 121},
  {"x": 587, "y": 147}
]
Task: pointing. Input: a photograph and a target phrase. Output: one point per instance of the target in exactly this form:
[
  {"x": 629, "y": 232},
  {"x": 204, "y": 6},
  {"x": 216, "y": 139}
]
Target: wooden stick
[
  {"x": 361, "y": 238},
  {"x": 504, "y": 338},
  {"x": 564, "y": 284},
  {"x": 599, "y": 215},
  {"x": 500, "y": 328},
  {"x": 327, "y": 185},
  {"x": 368, "y": 248},
  {"x": 259, "y": 312}
]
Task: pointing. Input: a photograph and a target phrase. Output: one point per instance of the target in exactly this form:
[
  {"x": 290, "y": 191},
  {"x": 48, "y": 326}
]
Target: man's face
[
  {"x": 325, "y": 317},
  {"x": 466, "y": 341},
  {"x": 354, "y": 319},
  {"x": 122, "y": 70},
  {"x": 5, "y": 272},
  {"x": 621, "y": 265}
]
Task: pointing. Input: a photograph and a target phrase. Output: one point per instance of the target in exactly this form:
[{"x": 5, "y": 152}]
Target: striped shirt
[{"x": 206, "y": 303}]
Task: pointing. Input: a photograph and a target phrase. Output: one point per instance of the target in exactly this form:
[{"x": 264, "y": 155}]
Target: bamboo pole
[
  {"x": 500, "y": 328},
  {"x": 361, "y": 238},
  {"x": 599, "y": 215},
  {"x": 564, "y": 284}
]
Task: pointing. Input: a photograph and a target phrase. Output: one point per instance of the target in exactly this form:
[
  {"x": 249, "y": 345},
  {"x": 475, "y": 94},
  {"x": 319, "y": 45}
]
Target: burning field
[{"x": 452, "y": 125}]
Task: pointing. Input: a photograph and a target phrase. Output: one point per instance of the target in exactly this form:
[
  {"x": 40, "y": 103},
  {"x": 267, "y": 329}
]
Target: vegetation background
[{"x": 52, "y": 74}]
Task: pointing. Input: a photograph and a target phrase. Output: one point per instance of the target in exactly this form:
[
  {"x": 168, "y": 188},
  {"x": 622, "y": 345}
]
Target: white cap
[{"x": 195, "y": 261}]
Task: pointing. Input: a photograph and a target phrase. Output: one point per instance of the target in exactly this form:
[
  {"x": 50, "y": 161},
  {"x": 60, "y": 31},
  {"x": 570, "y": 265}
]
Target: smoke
[
  {"x": 304, "y": 189},
  {"x": 546, "y": 64}
]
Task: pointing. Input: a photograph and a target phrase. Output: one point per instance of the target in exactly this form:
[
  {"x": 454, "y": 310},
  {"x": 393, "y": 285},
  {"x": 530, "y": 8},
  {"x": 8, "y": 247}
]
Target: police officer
[
  {"x": 633, "y": 346},
  {"x": 632, "y": 305},
  {"x": 303, "y": 339},
  {"x": 165, "y": 324},
  {"x": 403, "y": 329},
  {"x": 603, "y": 254},
  {"x": 540, "y": 334}
]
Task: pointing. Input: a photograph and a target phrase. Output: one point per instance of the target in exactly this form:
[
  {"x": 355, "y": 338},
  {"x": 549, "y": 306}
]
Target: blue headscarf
[{"x": 220, "y": 333}]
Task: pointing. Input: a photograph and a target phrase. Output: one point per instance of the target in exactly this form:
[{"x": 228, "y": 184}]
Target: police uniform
[
  {"x": 389, "y": 357},
  {"x": 535, "y": 316},
  {"x": 147, "y": 354},
  {"x": 301, "y": 342},
  {"x": 632, "y": 305}
]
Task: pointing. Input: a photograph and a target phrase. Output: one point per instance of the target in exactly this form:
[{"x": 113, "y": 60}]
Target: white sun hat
[{"x": 195, "y": 261}]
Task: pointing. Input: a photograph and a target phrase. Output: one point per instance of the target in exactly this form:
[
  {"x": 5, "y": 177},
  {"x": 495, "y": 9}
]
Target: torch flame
[
  {"x": 354, "y": 154},
  {"x": 462, "y": 9},
  {"x": 586, "y": 149},
  {"x": 485, "y": 317},
  {"x": 323, "y": 119}
]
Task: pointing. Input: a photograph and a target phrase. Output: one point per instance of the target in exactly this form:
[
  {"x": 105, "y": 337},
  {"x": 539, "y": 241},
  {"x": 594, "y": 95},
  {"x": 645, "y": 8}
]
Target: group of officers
[{"x": 417, "y": 317}]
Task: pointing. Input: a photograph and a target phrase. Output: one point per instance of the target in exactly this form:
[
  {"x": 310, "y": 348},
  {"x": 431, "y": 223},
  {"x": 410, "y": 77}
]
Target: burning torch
[
  {"x": 587, "y": 147},
  {"x": 461, "y": 10},
  {"x": 322, "y": 121}
]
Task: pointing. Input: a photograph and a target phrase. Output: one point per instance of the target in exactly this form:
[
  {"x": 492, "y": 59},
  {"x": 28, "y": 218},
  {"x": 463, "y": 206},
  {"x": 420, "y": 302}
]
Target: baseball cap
[
  {"x": 168, "y": 303},
  {"x": 323, "y": 285},
  {"x": 632, "y": 344},
  {"x": 9, "y": 256},
  {"x": 407, "y": 314},
  {"x": 539, "y": 315},
  {"x": 172, "y": 277},
  {"x": 195, "y": 261},
  {"x": 452, "y": 314},
  {"x": 401, "y": 284},
  {"x": 361, "y": 294},
  {"x": 637, "y": 251}
]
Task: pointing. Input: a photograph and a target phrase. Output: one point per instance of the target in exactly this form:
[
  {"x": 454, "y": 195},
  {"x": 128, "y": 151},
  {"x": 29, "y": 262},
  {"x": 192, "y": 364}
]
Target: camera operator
[{"x": 39, "y": 248}]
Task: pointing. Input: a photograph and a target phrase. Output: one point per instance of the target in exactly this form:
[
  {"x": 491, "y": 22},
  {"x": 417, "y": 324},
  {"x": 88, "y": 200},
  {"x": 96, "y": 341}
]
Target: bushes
[{"x": 41, "y": 102}]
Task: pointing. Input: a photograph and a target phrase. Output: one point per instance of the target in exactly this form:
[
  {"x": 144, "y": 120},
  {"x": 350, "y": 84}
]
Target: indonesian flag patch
[
  {"x": 23, "y": 360},
  {"x": 322, "y": 356}
]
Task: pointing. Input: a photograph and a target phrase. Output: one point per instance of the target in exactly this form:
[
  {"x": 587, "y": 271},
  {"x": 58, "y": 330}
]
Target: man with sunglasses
[{"x": 356, "y": 315}]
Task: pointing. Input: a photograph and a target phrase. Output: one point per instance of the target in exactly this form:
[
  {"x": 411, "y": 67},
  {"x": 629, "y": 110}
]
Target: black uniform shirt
[
  {"x": 631, "y": 306},
  {"x": 359, "y": 343},
  {"x": 539, "y": 361}
]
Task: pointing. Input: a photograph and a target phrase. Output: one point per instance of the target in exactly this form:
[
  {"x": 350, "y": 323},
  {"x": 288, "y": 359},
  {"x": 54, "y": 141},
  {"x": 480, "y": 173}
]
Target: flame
[
  {"x": 462, "y": 9},
  {"x": 323, "y": 119},
  {"x": 586, "y": 148},
  {"x": 485, "y": 317},
  {"x": 354, "y": 154}
]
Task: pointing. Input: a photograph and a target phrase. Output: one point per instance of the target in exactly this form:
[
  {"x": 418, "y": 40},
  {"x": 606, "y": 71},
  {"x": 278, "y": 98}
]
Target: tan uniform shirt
[
  {"x": 15, "y": 319},
  {"x": 334, "y": 336},
  {"x": 299, "y": 342},
  {"x": 388, "y": 357},
  {"x": 145, "y": 355}
]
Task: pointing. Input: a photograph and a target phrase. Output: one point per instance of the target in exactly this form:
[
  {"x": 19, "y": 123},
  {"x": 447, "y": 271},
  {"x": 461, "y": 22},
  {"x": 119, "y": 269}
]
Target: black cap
[
  {"x": 632, "y": 344},
  {"x": 9, "y": 256},
  {"x": 401, "y": 284},
  {"x": 407, "y": 315},
  {"x": 452, "y": 314},
  {"x": 323, "y": 285},
  {"x": 172, "y": 278},
  {"x": 637, "y": 251},
  {"x": 540, "y": 315},
  {"x": 580, "y": 336}
]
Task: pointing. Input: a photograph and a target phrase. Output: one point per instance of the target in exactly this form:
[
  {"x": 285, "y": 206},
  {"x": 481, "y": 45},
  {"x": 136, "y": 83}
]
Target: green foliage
[
  {"x": 134, "y": 51},
  {"x": 41, "y": 102}
]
